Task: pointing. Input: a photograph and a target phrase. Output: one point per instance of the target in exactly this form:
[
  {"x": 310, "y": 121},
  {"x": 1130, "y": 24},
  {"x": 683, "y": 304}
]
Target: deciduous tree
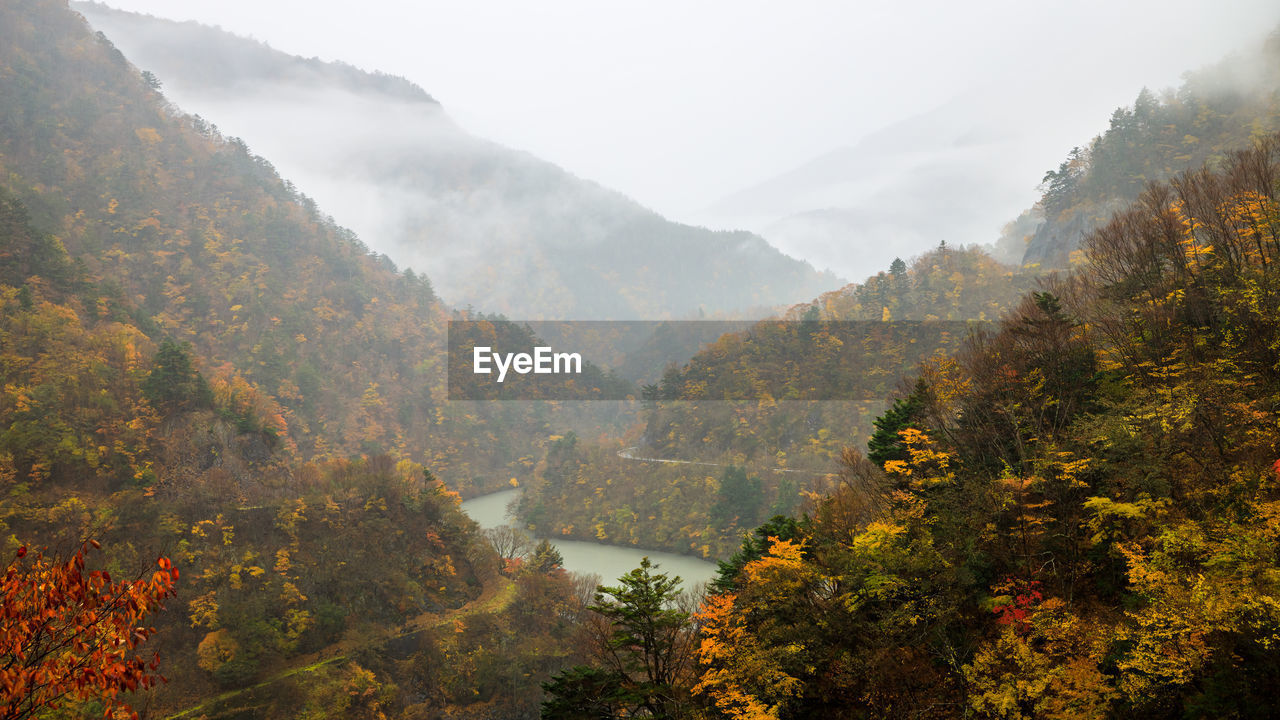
[{"x": 70, "y": 633}]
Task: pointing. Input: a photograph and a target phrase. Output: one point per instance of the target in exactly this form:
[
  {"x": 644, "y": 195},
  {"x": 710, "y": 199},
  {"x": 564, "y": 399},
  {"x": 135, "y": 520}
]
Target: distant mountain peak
[
  {"x": 494, "y": 228},
  {"x": 223, "y": 61}
]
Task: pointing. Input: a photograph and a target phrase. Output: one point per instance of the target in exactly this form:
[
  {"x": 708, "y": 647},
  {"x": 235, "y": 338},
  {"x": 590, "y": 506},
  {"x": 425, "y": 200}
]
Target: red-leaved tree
[{"x": 70, "y": 634}]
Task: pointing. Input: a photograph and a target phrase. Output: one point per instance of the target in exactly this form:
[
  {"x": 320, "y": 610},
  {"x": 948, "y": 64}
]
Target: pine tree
[
  {"x": 647, "y": 654},
  {"x": 173, "y": 383},
  {"x": 885, "y": 444}
]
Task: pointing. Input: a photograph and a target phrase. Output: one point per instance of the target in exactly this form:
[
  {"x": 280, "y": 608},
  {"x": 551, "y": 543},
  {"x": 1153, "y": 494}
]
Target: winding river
[{"x": 607, "y": 561}]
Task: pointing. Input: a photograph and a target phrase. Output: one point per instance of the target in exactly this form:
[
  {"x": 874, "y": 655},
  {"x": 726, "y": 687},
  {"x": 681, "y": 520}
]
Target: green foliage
[
  {"x": 738, "y": 498},
  {"x": 886, "y": 442},
  {"x": 27, "y": 253},
  {"x": 779, "y": 527},
  {"x": 646, "y": 628},
  {"x": 174, "y": 383},
  {"x": 545, "y": 558},
  {"x": 586, "y": 693},
  {"x": 236, "y": 672},
  {"x": 1218, "y": 110},
  {"x": 644, "y": 654}
]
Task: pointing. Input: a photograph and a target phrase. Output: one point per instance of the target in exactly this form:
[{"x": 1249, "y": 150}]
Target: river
[{"x": 608, "y": 561}]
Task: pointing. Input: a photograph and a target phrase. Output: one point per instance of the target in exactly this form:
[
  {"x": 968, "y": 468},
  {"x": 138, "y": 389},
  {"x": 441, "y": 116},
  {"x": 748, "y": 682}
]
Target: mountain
[
  {"x": 1074, "y": 514},
  {"x": 974, "y": 157},
  {"x": 196, "y": 366},
  {"x": 769, "y": 409},
  {"x": 203, "y": 242},
  {"x": 855, "y": 208},
  {"x": 690, "y": 424},
  {"x": 1078, "y": 518},
  {"x": 1218, "y": 110},
  {"x": 492, "y": 227}
]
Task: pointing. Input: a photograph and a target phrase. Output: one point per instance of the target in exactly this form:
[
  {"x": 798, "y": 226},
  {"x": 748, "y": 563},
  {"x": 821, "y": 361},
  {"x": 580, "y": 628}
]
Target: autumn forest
[{"x": 233, "y": 474}]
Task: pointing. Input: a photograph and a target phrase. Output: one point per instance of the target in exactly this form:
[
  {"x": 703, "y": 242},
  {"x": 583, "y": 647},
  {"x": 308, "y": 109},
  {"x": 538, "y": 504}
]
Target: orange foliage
[{"x": 68, "y": 633}]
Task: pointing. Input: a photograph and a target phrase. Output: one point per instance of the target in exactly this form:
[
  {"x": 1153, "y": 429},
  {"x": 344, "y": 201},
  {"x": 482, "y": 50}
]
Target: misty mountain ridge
[
  {"x": 494, "y": 228},
  {"x": 962, "y": 171},
  {"x": 221, "y": 62},
  {"x": 954, "y": 174},
  {"x": 1219, "y": 109}
]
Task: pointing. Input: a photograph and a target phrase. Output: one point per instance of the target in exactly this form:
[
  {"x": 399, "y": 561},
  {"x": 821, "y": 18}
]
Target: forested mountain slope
[
  {"x": 494, "y": 228},
  {"x": 1079, "y": 518},
  {"x": 758, "y": 420},
  {"x": 1217, "y": 110},
  {"x": 202, "y": 242},
  {"x": 194, "y": 363},
  {"x": 1074, "y": 516}
]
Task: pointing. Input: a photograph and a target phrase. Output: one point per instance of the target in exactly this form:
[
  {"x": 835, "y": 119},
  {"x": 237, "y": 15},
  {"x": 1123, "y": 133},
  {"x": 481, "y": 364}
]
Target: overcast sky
[{"x": 680, "y": 103}]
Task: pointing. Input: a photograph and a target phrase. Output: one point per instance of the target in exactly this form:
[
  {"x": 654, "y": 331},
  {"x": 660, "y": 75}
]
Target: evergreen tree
[
  {"x": 885, "y": 444},
  {"x": 174, "y": 383},
  {"x": 647, "y": 655},
  {"x": 545, "y": 558},
  {"x": 739, "y": 498},
  {"x": 585, "y": 693},
  {"x": 753, "y": 548}
]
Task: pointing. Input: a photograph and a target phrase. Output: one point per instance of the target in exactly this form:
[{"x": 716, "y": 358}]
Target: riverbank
[{"x": 588, "y": 558}]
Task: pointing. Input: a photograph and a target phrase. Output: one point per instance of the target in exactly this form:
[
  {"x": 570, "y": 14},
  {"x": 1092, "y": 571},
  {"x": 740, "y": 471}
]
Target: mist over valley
[{"x": 498, "y": 361}]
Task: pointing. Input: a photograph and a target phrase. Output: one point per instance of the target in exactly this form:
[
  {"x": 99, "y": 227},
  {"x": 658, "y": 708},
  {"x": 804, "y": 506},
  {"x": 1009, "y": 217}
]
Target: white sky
[{"x": 680, "y": 103}]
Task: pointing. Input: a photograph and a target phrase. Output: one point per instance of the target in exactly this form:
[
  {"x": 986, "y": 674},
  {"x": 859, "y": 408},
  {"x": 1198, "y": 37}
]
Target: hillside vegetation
[
  {"x": 1217, "y": 110},
  {"x": 194, "y": 363},
  {"x": 760, "y": 418},
  {"x": 496, "y": 229},
  {"x": 1070, "y": 508},
  {"x": 1083, "y": 521},
  {"x": 1073, "y": 517}
]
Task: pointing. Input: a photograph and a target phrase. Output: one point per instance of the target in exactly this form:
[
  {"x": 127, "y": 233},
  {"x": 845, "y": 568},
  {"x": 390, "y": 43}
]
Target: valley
[{"x": 251, "y": 467}]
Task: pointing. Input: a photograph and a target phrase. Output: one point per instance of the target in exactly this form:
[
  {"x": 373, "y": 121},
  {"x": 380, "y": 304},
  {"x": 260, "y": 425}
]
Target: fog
[
  {"x": 830, "y": 128},
  {"x": 955, "y": 174},
  {"x": 493, "y": 227}
]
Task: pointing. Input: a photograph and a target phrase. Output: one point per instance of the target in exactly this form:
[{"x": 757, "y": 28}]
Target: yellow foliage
[
  {"x": 877, "y": 535},
  {"x": 215, "y": 650},
  {"x": 735, "y": 665},
  {"x": 203, "y": 610},
  {"x": 147, "y": 135}
]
